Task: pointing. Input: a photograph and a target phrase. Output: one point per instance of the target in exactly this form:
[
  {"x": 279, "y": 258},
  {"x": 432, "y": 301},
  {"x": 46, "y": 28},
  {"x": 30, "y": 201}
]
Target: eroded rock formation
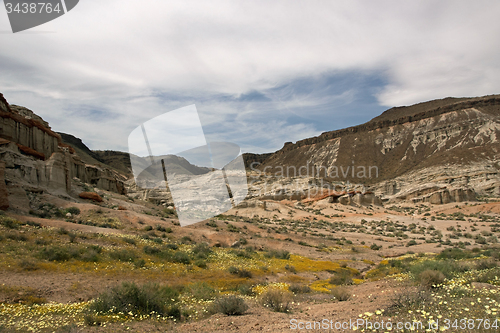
[{"x": 36, "y": 159}]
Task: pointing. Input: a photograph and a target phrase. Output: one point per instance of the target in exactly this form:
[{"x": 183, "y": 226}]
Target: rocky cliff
[
  {"x": 439, "y": 151},
  {"x": 36, "y": 159}
]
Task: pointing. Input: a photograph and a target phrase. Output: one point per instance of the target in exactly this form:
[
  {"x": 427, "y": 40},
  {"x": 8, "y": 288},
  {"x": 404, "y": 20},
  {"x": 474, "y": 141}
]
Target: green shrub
[
  {"x": 201, "y": 291},
  {"x": 90, "y": 255},
  {"x": 186, "y": 240},
  {"x": 279, "y": 254},
  {"x": 230, "y": 305},
  {"x": 456, "y": 254},
  {"x": 448, "y": 268},
  {"x": 411, "y": 243},
  {"x": 201, "y": 263},
  {"x": 181, "y": 257},
  {"x": 130, "y": 241},
  {"x": 202, "y": 251},
  {"x": 172, "y": 246},
  {"x": 277, "y": 300},
  {"x": 58, "y": 253},
  {"x": 141, "y": 300},
  {"x": 151, "y": 250}
]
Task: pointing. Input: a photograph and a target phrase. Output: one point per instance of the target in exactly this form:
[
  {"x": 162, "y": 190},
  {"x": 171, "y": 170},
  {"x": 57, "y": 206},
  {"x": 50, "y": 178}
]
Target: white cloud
[{"x": 116, "y": 55}]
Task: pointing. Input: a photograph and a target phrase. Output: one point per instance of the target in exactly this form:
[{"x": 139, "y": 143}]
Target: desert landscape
[{"x": 395, "y": 224}]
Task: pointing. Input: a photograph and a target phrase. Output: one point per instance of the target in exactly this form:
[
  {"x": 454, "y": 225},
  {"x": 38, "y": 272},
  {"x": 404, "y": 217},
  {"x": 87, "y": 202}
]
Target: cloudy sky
[{"x": 259, "y": 72}]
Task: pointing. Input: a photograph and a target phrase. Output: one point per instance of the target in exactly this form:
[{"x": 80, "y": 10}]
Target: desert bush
[
  {"x": 243, "y": 273},
  {"x": 141, "y": 300},
  {"x": 431, "y": 278},
  {"x": 169, "y": 212},
  {"x": 73, "y": 210},
  {"x": 299, "y": 288},
  {"x": 151, "y": 249},
  {"x": 161, "y": 228},
  {"x": 342, "y": 277},
  {"x": 489, "y": 276},
  {"x": 411, "y": 243},
  {"x": 242, "y": 254},
  {"x": 172, "y": 246},
  {"x": 9, "y": 222},
  {"x": 486, "y": 264},
  {"x": 130, "y": 241},
  {"x": 41, "y": 241},
  {"x": 375, "y": 247},
  {"x": 58, "y": 253},
  {"x": 230, "y": 305},
  {"x": 277, "y": 300},
  {"x": 186, "y": 240},
  {"x": 407, "y": 299},
  {"x": 201, "y": 263},
  {"x": 28, "y": 265},
  {"x": 93, "y": 320},
  {"x": 279, "y": 254},
  {"x": 139, "y": 263},
  {"x": 246, "y": 289},
  {"x": 202, "y": 251},
  {"x": 340, "y": 294},
  {"x": 290, "y": 268},
  {"x": 15, "y": 236},
  {"x": 456, "y": 254},
  {"x": 123, "y": 255}
]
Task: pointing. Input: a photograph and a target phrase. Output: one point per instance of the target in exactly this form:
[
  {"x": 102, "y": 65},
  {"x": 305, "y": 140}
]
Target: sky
[{"x": 260, "y": 73}]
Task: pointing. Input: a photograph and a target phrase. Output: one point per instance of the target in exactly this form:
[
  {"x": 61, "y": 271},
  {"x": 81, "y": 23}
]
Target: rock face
[
  {"x": 36, "y": 159},
  {"x": 29, "y": 131},
  {"x": 451, "y": 144},
  {"x": 4, "y": 194}
]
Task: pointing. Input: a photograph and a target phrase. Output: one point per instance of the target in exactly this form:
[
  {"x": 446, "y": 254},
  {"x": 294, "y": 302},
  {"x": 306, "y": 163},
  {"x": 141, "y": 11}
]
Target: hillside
[{"x": 449, "y": 141}]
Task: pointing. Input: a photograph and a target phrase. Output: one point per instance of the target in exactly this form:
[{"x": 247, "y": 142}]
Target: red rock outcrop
[{"x": 91, "y": 196}]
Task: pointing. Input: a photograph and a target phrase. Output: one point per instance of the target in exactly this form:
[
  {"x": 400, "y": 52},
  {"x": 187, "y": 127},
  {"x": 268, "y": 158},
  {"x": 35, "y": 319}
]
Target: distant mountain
[{"x": 87, "y": 155}]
